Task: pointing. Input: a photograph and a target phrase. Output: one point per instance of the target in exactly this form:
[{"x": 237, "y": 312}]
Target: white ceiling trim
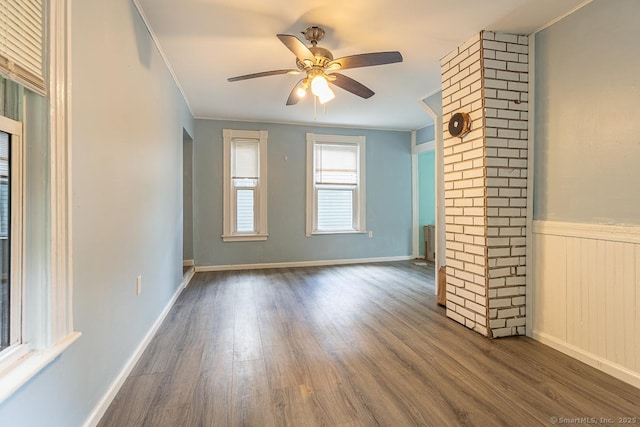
[
  {"x": 162, "y": 54},
  {"x": 561, "y": 17},
  {"x": 306, "y": 124}
]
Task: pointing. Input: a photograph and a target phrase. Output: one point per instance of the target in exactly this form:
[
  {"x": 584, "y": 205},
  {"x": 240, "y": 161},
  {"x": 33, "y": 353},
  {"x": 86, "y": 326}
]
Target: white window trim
[
  {"x": 360, "y": 213},
  {"x": 17, "y": 233},
  {"x": 61, "y": 321},
  {"x": 53, "y": 330},
  {"x": 228, "y": 215}
]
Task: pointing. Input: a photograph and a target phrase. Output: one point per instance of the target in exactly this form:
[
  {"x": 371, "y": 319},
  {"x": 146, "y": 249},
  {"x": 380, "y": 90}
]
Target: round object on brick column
[{"x": 460, "y": 124}]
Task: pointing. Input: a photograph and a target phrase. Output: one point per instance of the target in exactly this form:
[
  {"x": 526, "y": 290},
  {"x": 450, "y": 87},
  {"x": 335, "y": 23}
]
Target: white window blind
[
  {"x": 21, "y": 42},
  {"x": 245, "y": 219},
  {"x": 336, "y": 164},
  {"x": 4, "y": 186},
  {"x": 335, "y": 209},
  {"x": 245, "y": 159},
  {"x": 5, "y": 280}
]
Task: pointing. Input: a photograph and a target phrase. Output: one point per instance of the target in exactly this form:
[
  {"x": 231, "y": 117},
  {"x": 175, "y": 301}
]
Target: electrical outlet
[
  {"x": 138, "y": 285},
  {"x": 370, "y": 234}
]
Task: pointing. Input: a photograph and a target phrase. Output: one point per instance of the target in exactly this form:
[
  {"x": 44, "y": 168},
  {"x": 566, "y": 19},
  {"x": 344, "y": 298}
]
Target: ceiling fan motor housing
[{"x": 322, "y": 58}]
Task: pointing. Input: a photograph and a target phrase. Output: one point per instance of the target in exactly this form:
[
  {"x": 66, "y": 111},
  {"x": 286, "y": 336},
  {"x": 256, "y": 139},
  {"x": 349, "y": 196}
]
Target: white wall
[
  {"x": 127, "y": 133},
  {"x": 586, "y": 290}
]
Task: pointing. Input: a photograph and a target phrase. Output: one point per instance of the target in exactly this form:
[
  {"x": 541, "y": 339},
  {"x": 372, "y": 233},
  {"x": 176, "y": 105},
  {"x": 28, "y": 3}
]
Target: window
[
  {"x": 40, "y": 315},
  {"x": 245, "y": 185},
  {"x": 335, "y": 184},
  {"x": 10, "y": 235}
]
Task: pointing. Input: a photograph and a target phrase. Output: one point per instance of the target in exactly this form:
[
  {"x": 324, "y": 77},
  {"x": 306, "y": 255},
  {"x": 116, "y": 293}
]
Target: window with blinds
[
  {"x": 244, "y": 198},
  {"x": 335, "y": 184},
  {"x": 244, "y": 176},
  {"x": 21, "y": 42}
]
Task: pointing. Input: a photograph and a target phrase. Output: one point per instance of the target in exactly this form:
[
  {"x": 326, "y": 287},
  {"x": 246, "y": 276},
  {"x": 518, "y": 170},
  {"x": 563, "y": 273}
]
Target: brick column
[{"x": 485, "y": 183}]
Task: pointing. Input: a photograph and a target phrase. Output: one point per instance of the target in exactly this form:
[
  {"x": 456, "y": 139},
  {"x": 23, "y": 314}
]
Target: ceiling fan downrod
[{"x": 314, "y": 34}]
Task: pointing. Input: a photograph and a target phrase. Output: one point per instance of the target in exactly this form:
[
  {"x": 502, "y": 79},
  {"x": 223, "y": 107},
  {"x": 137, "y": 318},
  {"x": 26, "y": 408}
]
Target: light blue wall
[
  {"x": 425, "y": 134},
  {"x": 38, "y": 238},
  {"x": 587, "y": 134},
  {"x": 128, "y": 119},
  {"x": 426, "y": 193},
  {"x": 388, "y": 165}
]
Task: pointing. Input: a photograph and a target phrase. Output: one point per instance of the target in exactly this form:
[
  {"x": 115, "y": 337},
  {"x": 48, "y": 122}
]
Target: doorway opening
[
  {"x": 430, "y": 140},
  {"x": 187, "y": 203},
  {"x": 426, "y": 200}
]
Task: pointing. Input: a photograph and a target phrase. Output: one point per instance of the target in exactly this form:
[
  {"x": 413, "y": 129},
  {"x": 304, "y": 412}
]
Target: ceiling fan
[{"x": 320, "y": 68}]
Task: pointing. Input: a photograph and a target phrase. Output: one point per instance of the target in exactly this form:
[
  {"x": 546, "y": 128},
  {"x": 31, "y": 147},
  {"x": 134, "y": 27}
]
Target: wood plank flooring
[{"x": 361, "y": 345}]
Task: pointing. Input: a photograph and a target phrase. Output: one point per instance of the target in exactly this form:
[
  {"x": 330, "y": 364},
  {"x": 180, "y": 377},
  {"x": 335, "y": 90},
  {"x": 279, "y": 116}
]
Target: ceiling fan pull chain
[{"x": 315, "y": 116}]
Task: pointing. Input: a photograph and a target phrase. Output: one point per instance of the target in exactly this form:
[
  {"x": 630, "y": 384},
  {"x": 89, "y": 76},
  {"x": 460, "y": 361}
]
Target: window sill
[
  {"x": 321, "y": 233},
  {"x": 22, "y": 370},
  {"x": 244, "y": 237}
]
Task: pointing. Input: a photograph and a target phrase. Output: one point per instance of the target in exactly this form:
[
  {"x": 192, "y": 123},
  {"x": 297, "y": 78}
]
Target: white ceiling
[{"x": 207, "y": 41}]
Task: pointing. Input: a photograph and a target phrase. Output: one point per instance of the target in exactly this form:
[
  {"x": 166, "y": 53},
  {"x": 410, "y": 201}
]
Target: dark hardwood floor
[{"x": 360, "y": 345}]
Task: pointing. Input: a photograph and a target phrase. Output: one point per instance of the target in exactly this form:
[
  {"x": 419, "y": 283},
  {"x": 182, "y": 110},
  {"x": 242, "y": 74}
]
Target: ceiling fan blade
[
  {"x": 350, "y": 85},
  {"x": 293, "y": 96},
  {"x": 366, "y": 60},
  {"x": 262, "y": 74},
  {"x": 299, "y": 49}
]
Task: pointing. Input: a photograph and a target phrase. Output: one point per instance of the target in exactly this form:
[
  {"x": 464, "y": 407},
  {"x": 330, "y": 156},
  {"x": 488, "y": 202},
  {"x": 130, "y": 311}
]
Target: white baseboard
[
  {"x": 316, "y": 263},
  {"x": 103, "y": 404},
  {"x": 590, "y": 359},
  {"x": 188, "y": 263},
  {"x": 187, "y": 279}
]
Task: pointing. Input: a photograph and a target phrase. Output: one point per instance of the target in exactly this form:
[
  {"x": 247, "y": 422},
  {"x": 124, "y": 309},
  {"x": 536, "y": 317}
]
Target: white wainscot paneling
[{"x": 586, "y": 294}]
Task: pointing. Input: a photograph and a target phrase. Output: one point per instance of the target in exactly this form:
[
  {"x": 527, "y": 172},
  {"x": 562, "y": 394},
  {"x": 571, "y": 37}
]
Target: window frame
[
  {"x": 359, "y": 192},
  {"x": 47, "y": 301},
  {"x": 16, "y": 348},
  {"x": 229, "y": 233}
]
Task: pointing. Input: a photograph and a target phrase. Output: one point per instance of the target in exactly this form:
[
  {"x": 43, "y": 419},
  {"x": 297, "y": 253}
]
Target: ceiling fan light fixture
[
  {"x": 321, "y": 89},
  {"x": 326, "y": 97},
  {"x": 301, "y": 90}
]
